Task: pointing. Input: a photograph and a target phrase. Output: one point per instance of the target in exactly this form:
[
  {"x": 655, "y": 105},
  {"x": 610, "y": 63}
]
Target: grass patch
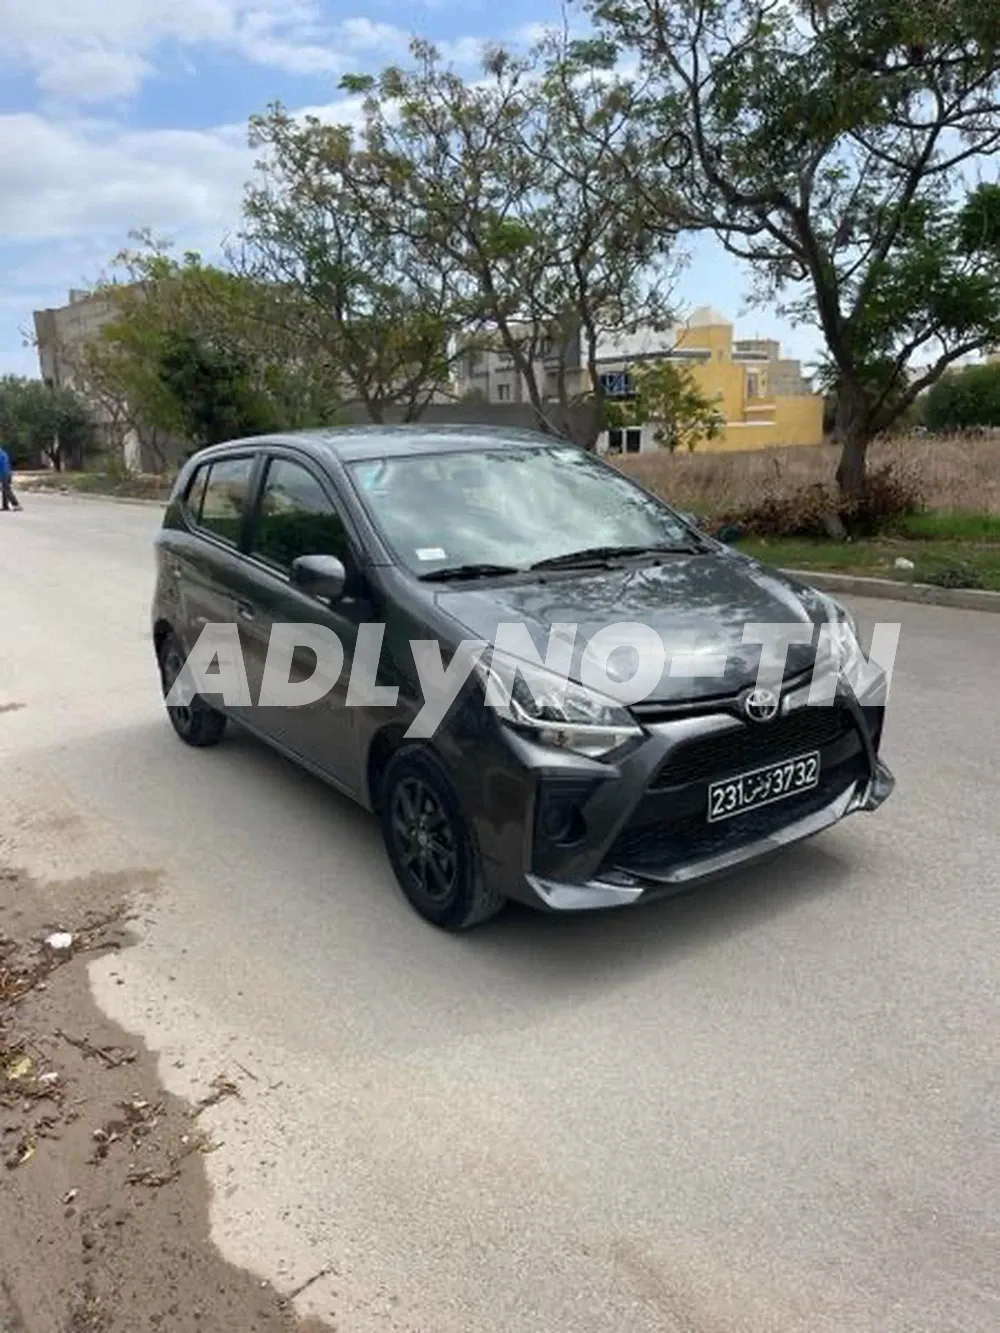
[
  {"x": 950, "y": 525},
  {"x": 957, "y": 564}
]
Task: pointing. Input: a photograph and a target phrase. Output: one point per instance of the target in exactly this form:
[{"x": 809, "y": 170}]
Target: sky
[{"x": 118, "y": 115}]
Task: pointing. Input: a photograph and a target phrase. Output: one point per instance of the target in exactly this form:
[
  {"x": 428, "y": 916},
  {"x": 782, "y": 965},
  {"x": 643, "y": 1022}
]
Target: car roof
[{"x": 352, "y": 444}]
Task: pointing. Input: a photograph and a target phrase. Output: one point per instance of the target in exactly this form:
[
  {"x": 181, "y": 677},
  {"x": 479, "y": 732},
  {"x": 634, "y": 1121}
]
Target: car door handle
[{"x": 245, "y": 611}]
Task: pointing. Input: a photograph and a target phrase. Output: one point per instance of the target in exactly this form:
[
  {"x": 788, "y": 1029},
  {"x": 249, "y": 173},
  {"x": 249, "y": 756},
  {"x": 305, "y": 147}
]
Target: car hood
[{"x": 696, "y": 603}]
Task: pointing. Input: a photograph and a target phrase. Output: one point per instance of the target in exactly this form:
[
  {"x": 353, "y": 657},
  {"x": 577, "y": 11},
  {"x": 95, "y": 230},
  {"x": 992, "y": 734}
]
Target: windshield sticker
[{"x": 431, "y": 553}]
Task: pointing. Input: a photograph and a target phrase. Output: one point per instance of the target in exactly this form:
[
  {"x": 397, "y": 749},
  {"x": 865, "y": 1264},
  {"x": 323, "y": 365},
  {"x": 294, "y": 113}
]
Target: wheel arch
[{"x": 385, "y": 743}]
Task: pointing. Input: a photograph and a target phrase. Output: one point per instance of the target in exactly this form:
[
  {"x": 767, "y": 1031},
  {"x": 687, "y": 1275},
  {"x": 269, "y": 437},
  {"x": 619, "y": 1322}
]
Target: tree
[
  {"x": 832, "y": 145},
  {"x": 200, "y": 352},
  {"x": 965, "y": 399},
  {"x": 496, "y": 207},
  {"x": 210, "y": 392},
  {"x": 364, "y": 298},
  {"x": 38, "y": 424},
  {"x": 668, "y": 396}
]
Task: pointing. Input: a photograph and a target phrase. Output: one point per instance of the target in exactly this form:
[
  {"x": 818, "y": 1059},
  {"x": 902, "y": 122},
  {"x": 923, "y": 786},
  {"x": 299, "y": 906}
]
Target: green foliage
[
  {"x": 324, "y": 233},
  {"x": 211, "y": 392},
  {"x": 964, "y": 399},
  {"x": 204, "y": 353},
  {"x": 956, "y": 574},
  {"x": 668, "y": 395},
  {"x": 39, "y": 424},
  {"x": 831, "y": 146},
  {"x": 490, "y": 211}
]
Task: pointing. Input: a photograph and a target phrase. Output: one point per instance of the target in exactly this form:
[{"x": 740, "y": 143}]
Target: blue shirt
[{"x": 5, "y": 467}]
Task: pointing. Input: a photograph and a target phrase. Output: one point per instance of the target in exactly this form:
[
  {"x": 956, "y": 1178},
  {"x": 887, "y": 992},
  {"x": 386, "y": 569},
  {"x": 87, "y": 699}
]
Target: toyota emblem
[{"x": 760, "y": 705}]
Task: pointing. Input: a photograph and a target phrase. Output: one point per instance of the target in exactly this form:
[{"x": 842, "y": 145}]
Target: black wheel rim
[
  {"x": 173, "y": 664},
  {"x": 424, "y": 839}
]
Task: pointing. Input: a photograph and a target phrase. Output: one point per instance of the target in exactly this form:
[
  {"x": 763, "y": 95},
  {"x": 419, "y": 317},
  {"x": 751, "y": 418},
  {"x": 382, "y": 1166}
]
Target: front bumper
[
  {"x": 641, "y": 830},
  {"x": 620, "y": 888}
]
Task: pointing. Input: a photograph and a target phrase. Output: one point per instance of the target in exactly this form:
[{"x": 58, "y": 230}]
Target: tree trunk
[{"x": 853, "y": 432}]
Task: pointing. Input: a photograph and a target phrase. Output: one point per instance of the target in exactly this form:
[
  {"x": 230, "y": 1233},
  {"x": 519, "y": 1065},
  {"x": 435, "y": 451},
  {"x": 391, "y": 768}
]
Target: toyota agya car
[{"x": 556, "y": 793}]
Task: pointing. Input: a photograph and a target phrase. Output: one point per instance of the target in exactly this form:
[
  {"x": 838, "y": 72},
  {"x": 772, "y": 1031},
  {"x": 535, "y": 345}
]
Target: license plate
[{"x": 762, "y": 786}]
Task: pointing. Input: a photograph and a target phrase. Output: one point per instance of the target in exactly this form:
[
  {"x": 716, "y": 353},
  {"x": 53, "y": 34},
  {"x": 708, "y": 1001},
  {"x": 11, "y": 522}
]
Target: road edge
[{"x": 893, "y": 590}]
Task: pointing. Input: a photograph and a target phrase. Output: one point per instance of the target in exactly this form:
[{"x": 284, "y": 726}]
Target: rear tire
[
  {"x": 430, "y": 844},
  {"x": 198, "y": 724}
]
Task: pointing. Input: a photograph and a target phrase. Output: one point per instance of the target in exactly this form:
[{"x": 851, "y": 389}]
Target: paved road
[{"x": 769, "y": 1107}]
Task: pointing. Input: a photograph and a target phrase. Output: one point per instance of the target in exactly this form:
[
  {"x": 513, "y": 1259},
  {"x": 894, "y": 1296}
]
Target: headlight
[
  {"x": 842, "y": 614},
  {"x": 845, "y": 648},
  {"x": 557, "y": 712}
]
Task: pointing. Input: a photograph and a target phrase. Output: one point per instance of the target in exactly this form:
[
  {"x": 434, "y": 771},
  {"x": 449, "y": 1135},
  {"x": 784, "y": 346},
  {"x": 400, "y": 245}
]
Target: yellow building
[{"x": 763, "y": 398}]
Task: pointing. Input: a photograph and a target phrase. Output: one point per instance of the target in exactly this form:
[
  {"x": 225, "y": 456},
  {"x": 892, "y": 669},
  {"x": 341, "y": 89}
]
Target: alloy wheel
[{"x": 425, "y": 840}]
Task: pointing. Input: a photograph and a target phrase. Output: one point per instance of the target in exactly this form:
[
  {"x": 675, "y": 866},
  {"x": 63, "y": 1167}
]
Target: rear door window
[{"x": 225, "y": 499}]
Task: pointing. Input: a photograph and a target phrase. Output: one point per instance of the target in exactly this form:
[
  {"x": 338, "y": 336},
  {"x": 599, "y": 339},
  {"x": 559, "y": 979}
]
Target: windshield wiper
[
  {"x": 599, "y": 555},
  {"x": 472, "y": 571}
]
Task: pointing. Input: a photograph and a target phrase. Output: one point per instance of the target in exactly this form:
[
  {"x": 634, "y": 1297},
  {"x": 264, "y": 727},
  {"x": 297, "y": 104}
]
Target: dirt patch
[{"x": 104, "y": 1210}]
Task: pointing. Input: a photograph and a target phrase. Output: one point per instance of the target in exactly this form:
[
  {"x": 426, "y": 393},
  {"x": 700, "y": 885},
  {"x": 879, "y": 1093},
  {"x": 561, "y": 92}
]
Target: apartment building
[
  {"x": 764, "y": 398},
  {"x": 61, "y": 334}
]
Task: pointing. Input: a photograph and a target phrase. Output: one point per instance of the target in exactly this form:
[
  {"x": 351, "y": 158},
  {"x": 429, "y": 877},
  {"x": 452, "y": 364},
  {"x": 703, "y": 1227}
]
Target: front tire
[
  {"x": 430, "y": 845},
  {"x": 197, "y": 724}
]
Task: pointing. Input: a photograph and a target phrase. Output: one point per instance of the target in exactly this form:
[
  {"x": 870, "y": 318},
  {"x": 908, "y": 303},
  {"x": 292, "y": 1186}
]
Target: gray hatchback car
[{"x": 552, "y": 792}]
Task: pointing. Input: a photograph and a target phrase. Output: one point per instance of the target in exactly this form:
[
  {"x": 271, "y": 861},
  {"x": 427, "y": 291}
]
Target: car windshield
[{"x": 509, "y": 508}]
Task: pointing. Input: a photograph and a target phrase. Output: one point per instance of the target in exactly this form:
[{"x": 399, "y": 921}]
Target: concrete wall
[{"x": 514, "y": 416}]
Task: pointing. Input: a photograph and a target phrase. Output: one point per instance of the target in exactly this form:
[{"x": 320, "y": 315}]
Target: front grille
[
  {"x": 691, "y": 838},
  {"x": 750, "y": 745},
  {"x": 670, "y": 826}
]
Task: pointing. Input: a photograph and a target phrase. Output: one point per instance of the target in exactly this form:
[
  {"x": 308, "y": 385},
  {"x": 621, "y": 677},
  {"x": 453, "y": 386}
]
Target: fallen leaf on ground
[{"x": 222, "y": 1087}]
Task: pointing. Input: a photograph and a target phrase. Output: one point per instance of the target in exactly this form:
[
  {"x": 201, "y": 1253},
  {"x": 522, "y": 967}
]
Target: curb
[
  {"x": 855, "y": 585},
  {"x": 91, "y": 495}
]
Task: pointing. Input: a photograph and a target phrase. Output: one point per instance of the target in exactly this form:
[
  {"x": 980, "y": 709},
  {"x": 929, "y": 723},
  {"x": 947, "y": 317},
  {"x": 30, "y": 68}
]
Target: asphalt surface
[{"x": 769, "y": 1106}]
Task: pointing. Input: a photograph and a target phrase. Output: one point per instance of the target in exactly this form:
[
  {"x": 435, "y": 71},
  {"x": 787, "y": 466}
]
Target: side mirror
[{"x": 320, "y": 576}]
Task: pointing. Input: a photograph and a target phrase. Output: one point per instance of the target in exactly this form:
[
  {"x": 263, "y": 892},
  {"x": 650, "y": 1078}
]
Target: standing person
[{"x": 10, "y": 500}]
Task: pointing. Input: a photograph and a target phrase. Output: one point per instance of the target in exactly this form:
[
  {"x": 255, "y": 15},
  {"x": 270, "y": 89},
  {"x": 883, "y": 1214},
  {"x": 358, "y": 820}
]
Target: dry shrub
[
  {"x": 958, "y": 472},
  {"x": 891, "y": 491}
]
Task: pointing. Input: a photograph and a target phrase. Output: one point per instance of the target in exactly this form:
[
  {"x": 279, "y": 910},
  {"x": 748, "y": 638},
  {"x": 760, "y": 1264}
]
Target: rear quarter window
[{"x": 195, "y": 493}]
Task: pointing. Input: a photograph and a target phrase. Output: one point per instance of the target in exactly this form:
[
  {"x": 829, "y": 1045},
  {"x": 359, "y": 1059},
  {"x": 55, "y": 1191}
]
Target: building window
[
  {"x": 753, "y": 384},
  {"x": 625, "y": 441},
  {"x": 503, "y": 393},
  {"x": 617, "y": 384}
]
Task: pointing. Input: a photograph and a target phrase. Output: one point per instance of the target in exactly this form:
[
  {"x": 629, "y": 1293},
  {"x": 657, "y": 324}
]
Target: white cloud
[
  {"x": 94, "y": 76},
  {"x": 92, "y": 50},
  {"x": 63, "y": 180}
]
